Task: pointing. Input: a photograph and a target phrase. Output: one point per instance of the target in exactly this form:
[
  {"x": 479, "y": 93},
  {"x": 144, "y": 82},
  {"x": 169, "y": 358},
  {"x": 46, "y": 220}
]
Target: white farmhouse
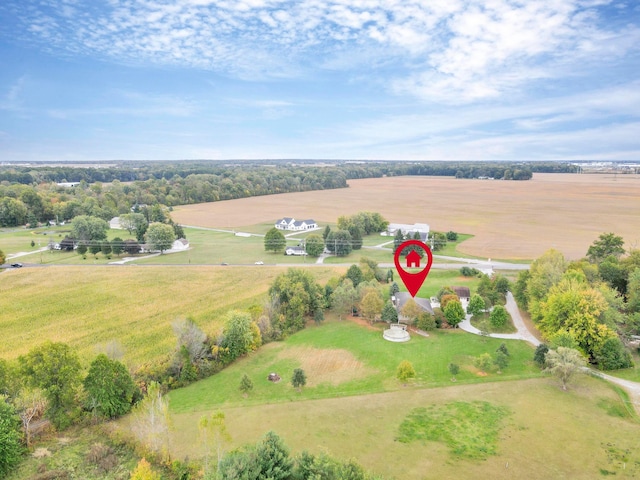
[{"x": 289, "y": 223}]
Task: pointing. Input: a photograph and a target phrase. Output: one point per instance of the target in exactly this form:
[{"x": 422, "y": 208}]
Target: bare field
[
  {"x": 509, "y": 220},
  {"x": 333, "y": 366}
]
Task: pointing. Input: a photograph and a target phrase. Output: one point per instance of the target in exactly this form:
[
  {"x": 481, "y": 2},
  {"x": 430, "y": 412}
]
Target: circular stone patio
[{"x": 396, "y": 333}]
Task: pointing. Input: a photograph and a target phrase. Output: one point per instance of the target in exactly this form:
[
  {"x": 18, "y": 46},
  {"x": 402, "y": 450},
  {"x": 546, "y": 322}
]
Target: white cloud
[{"x": 455, "y": 51}]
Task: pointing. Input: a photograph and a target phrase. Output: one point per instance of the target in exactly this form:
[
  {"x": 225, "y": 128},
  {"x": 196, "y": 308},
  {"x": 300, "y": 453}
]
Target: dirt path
[{"x": 632, "y": 388}]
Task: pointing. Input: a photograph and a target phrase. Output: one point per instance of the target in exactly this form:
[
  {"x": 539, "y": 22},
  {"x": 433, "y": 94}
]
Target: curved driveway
[{"x": 633, "y": 388}]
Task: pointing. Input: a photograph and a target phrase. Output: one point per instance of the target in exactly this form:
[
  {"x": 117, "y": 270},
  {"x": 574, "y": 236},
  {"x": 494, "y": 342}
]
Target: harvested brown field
[
  {"x": 332, "y": 366},
  {"x": 510, "y": 220}
]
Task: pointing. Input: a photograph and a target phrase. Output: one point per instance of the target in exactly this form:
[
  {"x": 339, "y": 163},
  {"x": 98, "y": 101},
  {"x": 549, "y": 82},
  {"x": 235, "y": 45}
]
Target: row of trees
[
  {"x": 579, "y": 305},
  {"x": 307, "y": 172},
  {"x": 90, "y": 234}
]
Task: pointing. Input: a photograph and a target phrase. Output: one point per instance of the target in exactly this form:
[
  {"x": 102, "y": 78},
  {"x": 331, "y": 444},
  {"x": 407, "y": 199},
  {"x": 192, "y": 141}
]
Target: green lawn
[
  {"x": 360, "y": 414},
  {"x": 208, "y": 247},
  {"x": 439, "y": 278},
  {"x": 374, "y": 363},
  {"x": 14, "y": 240},
  {"x": 481, "y": 322}
]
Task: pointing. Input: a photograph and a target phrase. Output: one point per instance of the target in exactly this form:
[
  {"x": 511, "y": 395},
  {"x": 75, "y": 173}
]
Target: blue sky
[{"x": 332, "y": 79}]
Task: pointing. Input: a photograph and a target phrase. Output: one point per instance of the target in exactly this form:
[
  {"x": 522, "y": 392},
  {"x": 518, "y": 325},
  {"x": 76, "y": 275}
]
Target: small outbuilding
[{"x": 463, "y": 293}]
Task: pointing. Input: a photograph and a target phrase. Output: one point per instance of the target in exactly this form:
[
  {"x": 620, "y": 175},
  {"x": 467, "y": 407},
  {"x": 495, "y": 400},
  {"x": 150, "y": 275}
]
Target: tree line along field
[{"x": 509, "y": 220}]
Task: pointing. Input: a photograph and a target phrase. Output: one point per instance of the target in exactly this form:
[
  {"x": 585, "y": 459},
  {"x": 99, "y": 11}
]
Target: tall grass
[{"x": 88, "y": 307}]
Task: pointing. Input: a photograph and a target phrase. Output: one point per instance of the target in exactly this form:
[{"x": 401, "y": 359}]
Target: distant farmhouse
[
  {"x": 289, "y": 223},
  {"x": 409, "y": 230}
]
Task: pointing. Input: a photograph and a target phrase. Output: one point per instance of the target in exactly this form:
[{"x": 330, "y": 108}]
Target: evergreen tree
[
  {"x": 246, "y": 385},
  {"x": 273, "y": 458},
  {"x": 299, "y": 378},
  {"x": 540, "y": 354},
  {"x": 398, "y": 239},
  {"x": 389, "y": 313}
]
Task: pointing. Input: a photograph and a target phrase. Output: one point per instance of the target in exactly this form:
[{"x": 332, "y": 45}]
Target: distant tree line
[
  {"x": 308, "y": 172},
  {"x": 30, "y": 194}
]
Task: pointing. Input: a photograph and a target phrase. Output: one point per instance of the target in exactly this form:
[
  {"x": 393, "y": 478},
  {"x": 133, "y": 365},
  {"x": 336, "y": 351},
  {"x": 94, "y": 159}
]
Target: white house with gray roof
[{"x": 291, "y": 224}]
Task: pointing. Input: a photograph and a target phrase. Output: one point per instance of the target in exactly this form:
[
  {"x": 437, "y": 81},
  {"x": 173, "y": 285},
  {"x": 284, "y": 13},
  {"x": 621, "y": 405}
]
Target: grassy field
[
  {"x": 134, "y": 305},
  {"x": 345, "y": 358},
  {"x": 353, "y": 407},
  {"x": 548, "y": 434},
  {"x": 439, "y": 278},
  {"x": 207, "y": 247},
  {"x": 508, "y": 220}
]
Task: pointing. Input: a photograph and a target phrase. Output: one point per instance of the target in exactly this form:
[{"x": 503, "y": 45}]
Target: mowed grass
[
  {"x": 343, "y": 358},
  {"x": 18, "y": 240},
  {"x": 88, "y": 307},
  {"x": 482, "y": 322},
  {"x": 353, "y": 407},
  {"x": 207, "y": 247},
  {"x": 438, "y": 279},
  {"x": 213, "y": 248}
]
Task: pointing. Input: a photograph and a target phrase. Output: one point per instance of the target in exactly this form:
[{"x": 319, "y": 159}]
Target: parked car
[
  {"x": 259, "y": 262},
  {"x": 16, "y": 265}
]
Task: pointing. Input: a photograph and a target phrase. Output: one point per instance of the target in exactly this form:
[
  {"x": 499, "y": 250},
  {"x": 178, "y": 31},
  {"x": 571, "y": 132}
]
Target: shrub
[
  {"x": 405, "y": 371},
  {"x": 469, "y": 272},
  {"x": 102, "y": 457},
  {"x": 483, "y": 362},
  {"x": 426, "y": 322},
  {"x": 498, "y": 316},
  {"x": 613, "y": 355}
]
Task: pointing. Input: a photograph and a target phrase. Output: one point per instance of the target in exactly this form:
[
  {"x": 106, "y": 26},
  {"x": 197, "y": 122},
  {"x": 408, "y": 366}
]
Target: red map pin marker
[{"x": 413, "y": 281}]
